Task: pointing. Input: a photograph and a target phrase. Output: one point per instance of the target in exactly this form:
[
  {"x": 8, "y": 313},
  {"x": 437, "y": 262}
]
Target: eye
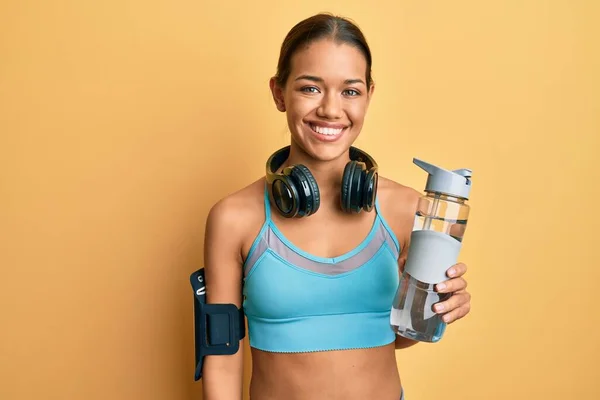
[
  {"x": 309, "y": 89},
  {"x": 351, "y": 92}
]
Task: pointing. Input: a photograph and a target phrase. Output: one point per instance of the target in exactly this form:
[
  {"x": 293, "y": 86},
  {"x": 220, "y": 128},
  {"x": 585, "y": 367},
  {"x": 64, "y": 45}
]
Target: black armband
[{"x": 218, "y": 328}]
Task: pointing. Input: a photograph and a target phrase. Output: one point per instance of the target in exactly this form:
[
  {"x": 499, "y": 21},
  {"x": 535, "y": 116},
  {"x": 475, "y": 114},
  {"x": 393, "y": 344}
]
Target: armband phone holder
[{"x": 218, "y": 328}]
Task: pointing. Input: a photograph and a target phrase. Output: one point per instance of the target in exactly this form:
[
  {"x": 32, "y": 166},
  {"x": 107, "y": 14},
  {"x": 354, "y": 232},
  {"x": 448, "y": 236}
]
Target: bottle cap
[{"x": 455, "y": 183}]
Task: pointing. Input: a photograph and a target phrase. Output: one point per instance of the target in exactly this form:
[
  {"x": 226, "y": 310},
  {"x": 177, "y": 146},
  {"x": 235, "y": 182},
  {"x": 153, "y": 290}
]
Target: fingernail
[
  {"x": 451, "y": 271},
  {"x": 441, "y": 286},
  {"x": 446, "y": 318},
  {"x": 439, "y": 307}
]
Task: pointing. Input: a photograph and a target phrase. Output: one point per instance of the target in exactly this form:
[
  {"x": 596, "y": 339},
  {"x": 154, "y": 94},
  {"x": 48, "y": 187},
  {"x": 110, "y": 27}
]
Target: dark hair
[{"x": 322, "y": 25}]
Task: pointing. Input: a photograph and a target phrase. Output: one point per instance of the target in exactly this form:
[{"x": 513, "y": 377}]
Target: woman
[{"x": 318, "y": 277}]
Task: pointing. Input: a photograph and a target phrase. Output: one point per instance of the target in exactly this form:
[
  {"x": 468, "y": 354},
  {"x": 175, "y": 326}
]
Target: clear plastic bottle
[{"x": 436, "y": 240}]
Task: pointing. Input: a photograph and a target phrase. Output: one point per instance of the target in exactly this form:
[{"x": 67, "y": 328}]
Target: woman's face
[{"x": 325, "y": 98}]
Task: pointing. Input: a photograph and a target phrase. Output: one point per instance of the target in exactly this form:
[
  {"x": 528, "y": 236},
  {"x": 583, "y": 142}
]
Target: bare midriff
[{"x": 328, "y": 375}]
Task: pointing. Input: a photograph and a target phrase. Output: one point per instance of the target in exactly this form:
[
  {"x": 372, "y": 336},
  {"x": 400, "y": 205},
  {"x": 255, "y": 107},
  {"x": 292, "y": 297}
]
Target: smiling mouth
[{"x": 332, "y": 132}]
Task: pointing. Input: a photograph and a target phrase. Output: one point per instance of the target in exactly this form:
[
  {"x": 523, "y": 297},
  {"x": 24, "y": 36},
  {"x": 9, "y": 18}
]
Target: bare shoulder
[
  {"x": 229, "y": 224},
  {"x": 238, "y": 211},
  {"x": 238, "y": 214},
  {"x": 239, "y": 205},
  {"x": 398, "y": 205},
  {"x": 395, "y": 198}
]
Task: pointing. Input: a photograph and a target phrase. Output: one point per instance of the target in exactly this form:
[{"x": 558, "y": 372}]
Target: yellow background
[{"x": 116, "y": 120}]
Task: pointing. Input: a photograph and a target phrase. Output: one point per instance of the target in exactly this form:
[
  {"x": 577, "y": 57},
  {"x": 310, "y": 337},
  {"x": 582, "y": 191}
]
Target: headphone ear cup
[
  {"x": 356, "y": 187},
  {"x": 346, "y": 183},
  {"x": 370, "y": 190},
  {"x": 285, "y": 196},
  {"x": 309, "y": 188}
]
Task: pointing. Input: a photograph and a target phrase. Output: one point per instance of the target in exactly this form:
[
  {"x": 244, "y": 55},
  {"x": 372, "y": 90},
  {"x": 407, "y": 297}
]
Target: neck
[{"x": 328, "y": 174}]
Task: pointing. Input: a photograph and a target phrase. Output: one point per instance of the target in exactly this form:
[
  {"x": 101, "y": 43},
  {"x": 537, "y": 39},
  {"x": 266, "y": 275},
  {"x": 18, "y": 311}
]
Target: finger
[
  {"x": 457, "y": 313},
  {"x": 457, "y": 270},
  {"x": 455, "y": 301},
  {"x": 451, "y": 285}
]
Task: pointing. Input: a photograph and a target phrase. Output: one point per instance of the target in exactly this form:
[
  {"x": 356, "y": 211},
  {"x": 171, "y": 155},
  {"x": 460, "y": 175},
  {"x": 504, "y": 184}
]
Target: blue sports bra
[{"x": 298, "y": 302}]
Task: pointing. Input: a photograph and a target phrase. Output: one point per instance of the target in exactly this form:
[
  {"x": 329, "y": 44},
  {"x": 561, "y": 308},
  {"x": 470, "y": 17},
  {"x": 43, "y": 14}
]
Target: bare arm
[{"x": 223, "y": 374}]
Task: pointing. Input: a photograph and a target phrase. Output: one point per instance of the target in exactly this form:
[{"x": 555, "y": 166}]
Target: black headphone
[{"x": 296, "y": 193}]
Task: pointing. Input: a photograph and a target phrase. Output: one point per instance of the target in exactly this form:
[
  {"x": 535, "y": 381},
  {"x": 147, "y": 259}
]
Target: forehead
[{"x": 329, "y": 60}]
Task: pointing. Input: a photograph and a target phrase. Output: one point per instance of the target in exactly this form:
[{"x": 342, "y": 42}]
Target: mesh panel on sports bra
[{"x": 270, "y": 240}]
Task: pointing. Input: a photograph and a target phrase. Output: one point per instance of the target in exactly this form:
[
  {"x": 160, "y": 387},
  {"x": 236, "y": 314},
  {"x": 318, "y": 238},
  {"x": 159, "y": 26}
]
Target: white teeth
[{"x": 326, "y": 131}]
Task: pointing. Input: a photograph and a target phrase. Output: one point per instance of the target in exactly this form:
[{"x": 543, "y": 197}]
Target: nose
[{"x": 330, "y": 107}]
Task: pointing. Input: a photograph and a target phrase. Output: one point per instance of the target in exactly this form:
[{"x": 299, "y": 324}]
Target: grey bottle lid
[{"x": 455, "y": 183}]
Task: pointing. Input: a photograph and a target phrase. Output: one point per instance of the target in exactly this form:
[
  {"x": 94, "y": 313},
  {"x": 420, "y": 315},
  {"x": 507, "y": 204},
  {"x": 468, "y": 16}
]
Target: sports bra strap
[
  {"x": 267, "y": 205},
  {"x": 377, "y": 206},
  {"x": 387, "y": 227}
]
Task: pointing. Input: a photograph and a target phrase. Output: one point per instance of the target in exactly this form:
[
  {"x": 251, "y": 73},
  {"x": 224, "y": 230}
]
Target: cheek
[
  {"x": 306, "y": 105},
  {"x": 356, "y": 112},
  {"x": 297, "y": 109}
]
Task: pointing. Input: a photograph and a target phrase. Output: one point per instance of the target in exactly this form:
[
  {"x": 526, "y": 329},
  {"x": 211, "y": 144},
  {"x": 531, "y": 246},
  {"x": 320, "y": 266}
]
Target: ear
[
  {"x": 277, "y": 94},
  {"x": 370, "y": 93}
]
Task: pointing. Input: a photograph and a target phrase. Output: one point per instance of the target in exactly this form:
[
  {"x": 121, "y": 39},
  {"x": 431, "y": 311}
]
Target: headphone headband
[
  {"x": 278, "y": 158},
  {"x": 359, "y": 155}
]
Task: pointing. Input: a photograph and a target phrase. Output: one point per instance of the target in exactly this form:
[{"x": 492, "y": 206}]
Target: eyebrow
[{"x": 317, "y": 79}]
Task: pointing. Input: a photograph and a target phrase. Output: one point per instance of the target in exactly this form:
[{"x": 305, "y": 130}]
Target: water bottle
[{"x": 436, "y": 239}]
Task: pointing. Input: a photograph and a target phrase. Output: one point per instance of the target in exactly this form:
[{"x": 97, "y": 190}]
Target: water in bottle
[{"x": 436, "y": 239}]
